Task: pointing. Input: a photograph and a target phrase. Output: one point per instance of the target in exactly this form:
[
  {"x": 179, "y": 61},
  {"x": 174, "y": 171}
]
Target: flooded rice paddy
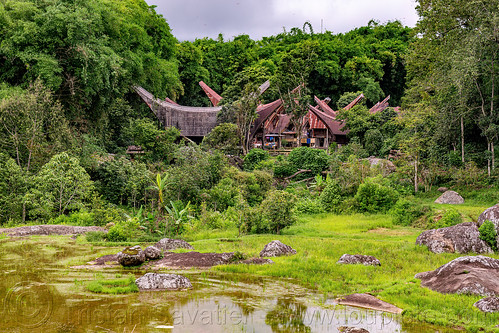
[{"x": 41, "y": 292}]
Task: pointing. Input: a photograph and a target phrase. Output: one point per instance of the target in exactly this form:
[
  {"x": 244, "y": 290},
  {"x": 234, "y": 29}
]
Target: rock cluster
[
  {"x": 359, "y": 259},
  {"x": 131, "y": 256},
  {"x": 461, "y": 238},
  {"x": 451, "y": 198},
  {"x": 478, "y": 275},
  {"x": 276, "y": 249},
  {"x": 167, "y": 244},
  {"x": 155, "y": 281}
]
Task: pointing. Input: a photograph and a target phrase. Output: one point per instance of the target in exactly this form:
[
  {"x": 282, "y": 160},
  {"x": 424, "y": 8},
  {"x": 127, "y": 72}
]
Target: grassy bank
[{"x": 320, "y": 242}]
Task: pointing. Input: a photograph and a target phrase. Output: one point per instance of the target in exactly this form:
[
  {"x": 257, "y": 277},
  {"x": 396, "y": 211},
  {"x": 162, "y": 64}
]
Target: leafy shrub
[
  {"x": 61, "y": 186},
  {"x": 194, "y": 172},
  {"x": 373, "y": 142},
  {"x": 223, "y": 195},
  {"x": 121, "y": 181},
  {"x": 224, "y": 137},
  {"x": 405, "y": 212},
  {"x": 306, "y": 158},
  {"x": 309, "y": 206},
  {"x": 331, "y": 196},
  {"x": 449, "y": 218},
  {"x": 254, "y": 157},
  {"x": 283, "y": 168},
  {"x": 488, "y": 234},
  {"x": 252, "y": 185},
  {"x": 96, "y": 236},
  {"x": 80, "y": 218},
  {"x": 277, "y": 211},
  {"x": 123, "y": 231},
  {"x": 373, "y": 197}
]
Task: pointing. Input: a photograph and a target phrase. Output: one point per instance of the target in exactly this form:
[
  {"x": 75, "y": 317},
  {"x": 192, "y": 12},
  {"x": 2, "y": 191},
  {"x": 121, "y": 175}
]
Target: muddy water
[{"x": 40, "y": 292}]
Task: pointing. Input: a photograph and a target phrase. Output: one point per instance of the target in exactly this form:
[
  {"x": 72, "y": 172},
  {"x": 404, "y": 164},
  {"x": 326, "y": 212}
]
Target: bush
[
  {"x": 309, "y": 206},
  {"x": 253, "y": 186},
  {"x": 449, "y": 218},
  {"x": 277, "y": 211},
  {"x": 488, "y": 234},
  {"x": 95, "y": 236},
  {"x": 331, "y": 196},
  {"x": 254, "y": 157},
  {"x": 405, "y": 212},
  {"x": 306, "y": 158},
  {"x": 80, "y": 218},
  {"x": 373, "y": 197},
  {"x": 123, "y": 231},
  {"x": 225, "y": 194},
  {"x": 283, "y": 168},
  {"x": 121, "y": 181}
]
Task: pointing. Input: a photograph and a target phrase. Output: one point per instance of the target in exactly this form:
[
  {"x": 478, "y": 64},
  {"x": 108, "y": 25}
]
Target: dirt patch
[
  {"x": 190, "y": 260},
  {"x": 104, "y": 260},
  {"x": 48, "y": 230},
  {"x": 369, "y": 302},
  {"x": 390, "y": 232}
]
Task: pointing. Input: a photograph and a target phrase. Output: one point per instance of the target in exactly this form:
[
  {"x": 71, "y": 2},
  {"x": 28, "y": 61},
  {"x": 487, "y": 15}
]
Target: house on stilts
[{"x": 273, "y": 127}]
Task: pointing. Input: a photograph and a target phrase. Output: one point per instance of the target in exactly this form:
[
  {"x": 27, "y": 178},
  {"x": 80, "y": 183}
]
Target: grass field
[{"x": 320, "y": 242}]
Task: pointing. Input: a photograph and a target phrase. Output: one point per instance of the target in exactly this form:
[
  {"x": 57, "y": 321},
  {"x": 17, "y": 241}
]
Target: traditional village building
[{"x": 272, "y": 129}]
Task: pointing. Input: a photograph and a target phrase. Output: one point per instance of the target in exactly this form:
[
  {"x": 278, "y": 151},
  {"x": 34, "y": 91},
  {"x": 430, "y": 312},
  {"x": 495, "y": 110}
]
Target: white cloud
[{"x": 190, "y": 19}]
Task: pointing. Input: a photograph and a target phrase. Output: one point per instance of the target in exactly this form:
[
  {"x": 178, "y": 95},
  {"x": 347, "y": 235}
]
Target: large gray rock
[
  {"x": 131, "y": 256},
  {"x": 167, "y": 244},
  {"x": 489, "y": 304},
  {"x": 358, "y": 259},
  {"x": 277, "y": 249},
  {"x": 386, "y": 166},
  {"x": 155, "y": 281},
  {"x": 153, "y": 253},
  {"x": 451, "y": 198},
  {"x": 478, "y": 275},
  {"x": 461, "y": 238},
  {"x": 490, "y": 214}
]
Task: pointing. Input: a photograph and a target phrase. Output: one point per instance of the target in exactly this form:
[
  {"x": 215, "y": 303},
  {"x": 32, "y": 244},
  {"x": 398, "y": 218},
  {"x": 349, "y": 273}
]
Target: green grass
[
  {"x": 320, "y": 242},
  {"x": 113, "y": 286}
]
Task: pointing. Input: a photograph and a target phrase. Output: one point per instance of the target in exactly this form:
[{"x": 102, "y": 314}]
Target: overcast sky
[{"x": 191, "y": 19}]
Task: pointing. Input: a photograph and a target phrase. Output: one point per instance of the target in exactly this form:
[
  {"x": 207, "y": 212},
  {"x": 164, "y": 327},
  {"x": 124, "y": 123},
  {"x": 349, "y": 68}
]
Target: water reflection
[{"x": 41, "y": 293}]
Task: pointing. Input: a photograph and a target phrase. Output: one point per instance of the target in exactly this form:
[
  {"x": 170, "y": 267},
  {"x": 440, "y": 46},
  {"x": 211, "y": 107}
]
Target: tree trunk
[
  {"x": 488, "y": 159},
  {"x": 416, "y": 175},
  {"x": 493, "y": 155},
  {"x": 462, "y": 139}
]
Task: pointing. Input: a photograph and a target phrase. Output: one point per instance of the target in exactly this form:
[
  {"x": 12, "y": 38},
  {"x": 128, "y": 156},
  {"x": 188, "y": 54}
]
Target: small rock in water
[
  {"x": 359, "y": 259},
  {"x": 155, "y": 281},
  {"x": 451, "y": 198},
  {"x": 276, "y": 249},
  {"x": 153, "y": 253},
  {"x": 167, "y": 244},
  {"x": 131, "y": 256},
  {"x": 344, "y": 329},
  {"x": 489, "y": 304}
]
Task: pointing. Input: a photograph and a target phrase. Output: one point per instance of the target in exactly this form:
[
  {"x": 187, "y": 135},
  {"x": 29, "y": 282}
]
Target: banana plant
[
  {"x": 159, "y": 185},
  {"x": 178, "y": 216}
]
